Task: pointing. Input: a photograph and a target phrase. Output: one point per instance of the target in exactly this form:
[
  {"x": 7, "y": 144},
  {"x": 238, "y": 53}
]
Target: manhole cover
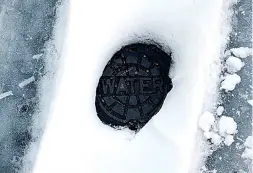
[{"x": 133, "y": 86}]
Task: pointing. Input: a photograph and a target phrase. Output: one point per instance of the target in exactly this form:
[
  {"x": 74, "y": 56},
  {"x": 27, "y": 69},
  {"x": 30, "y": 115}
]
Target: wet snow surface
[{"x": 26, "y": 27}]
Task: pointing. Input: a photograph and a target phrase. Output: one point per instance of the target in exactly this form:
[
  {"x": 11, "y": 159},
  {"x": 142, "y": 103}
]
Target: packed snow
[
  {"x": 77, "y": 141},
  {"x": 234, "y": 64},
  {"x": 230, "y": 82},
  {"x": 241, "y": 52}
]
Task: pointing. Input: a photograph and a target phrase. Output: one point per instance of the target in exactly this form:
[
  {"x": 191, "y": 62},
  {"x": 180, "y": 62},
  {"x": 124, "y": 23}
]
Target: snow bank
[{"x": 77, "y": 141}]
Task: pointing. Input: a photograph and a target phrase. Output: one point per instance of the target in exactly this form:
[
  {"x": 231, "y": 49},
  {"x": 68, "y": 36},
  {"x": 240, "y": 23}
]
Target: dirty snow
[
  {"x": 234, "y": 64},
  {"x": 241, "y": 52},
  {"x": 230, "y": 82},
  {"x": 227, "y": 126}
]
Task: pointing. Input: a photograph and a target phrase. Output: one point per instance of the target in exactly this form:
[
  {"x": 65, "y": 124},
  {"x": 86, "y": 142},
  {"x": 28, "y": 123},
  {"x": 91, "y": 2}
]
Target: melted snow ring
[{"x": 133, "y": 86}]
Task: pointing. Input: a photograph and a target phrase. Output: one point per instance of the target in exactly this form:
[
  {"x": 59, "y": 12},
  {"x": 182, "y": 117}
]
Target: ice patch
[
  {"x": 234, "y": 64},
  {"x": 227, "y": 126},
  {"x": 26, "y": 82},
  {"x": 241, "y": 52},
  {"x": 206, "y": 121},
  {"x": 5, "y": 94},
  {"x": 230, "y": 82}
]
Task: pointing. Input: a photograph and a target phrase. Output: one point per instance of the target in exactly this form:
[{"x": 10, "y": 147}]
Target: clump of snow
[
  {"x": 230, "y": 82},
  {"x": 250, "y": 102},
  {"x": 229, "y": 139},
  {"x": 234, "y": 64},
  {"x": 220, "y": 110},
  {"x": 26, "y": 82},
  {"x": 227, "y": 53},
  {"x": 218, "y": 132},
  {"x": 206, "y": 121},
  {"x": 241, "y": 52},
  {"x": 227, "y": 126},
  {"x": 215, "y": 138},
  {"x": 248, "y": 142}
]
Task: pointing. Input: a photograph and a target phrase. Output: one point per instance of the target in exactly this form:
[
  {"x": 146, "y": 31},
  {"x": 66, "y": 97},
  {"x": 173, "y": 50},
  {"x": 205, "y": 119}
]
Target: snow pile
[
  {"x": 242, "y": 52},
  {"x": 247, "y": 154},
  {"x": 234, "y": 64},
  {"x": 230, "y": 82},
  {"x": 218, "y": 131}
]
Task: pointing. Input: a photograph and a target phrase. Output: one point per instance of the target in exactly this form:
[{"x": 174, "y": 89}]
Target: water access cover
[{"x": 133, "y": 86}]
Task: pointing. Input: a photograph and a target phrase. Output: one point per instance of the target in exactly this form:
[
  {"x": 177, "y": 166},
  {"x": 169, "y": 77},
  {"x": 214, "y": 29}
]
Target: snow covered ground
[
  {"x": 75, "y": 140},
  {"x": 167, "y": 142}
]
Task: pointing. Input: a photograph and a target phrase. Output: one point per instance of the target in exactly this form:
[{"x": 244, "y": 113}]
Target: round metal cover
[{"x": 133, "y": 86}]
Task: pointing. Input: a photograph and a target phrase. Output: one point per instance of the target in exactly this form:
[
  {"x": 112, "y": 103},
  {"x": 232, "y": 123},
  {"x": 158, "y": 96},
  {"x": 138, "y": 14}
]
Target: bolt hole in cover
[{"x": 133, "y": 86}]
